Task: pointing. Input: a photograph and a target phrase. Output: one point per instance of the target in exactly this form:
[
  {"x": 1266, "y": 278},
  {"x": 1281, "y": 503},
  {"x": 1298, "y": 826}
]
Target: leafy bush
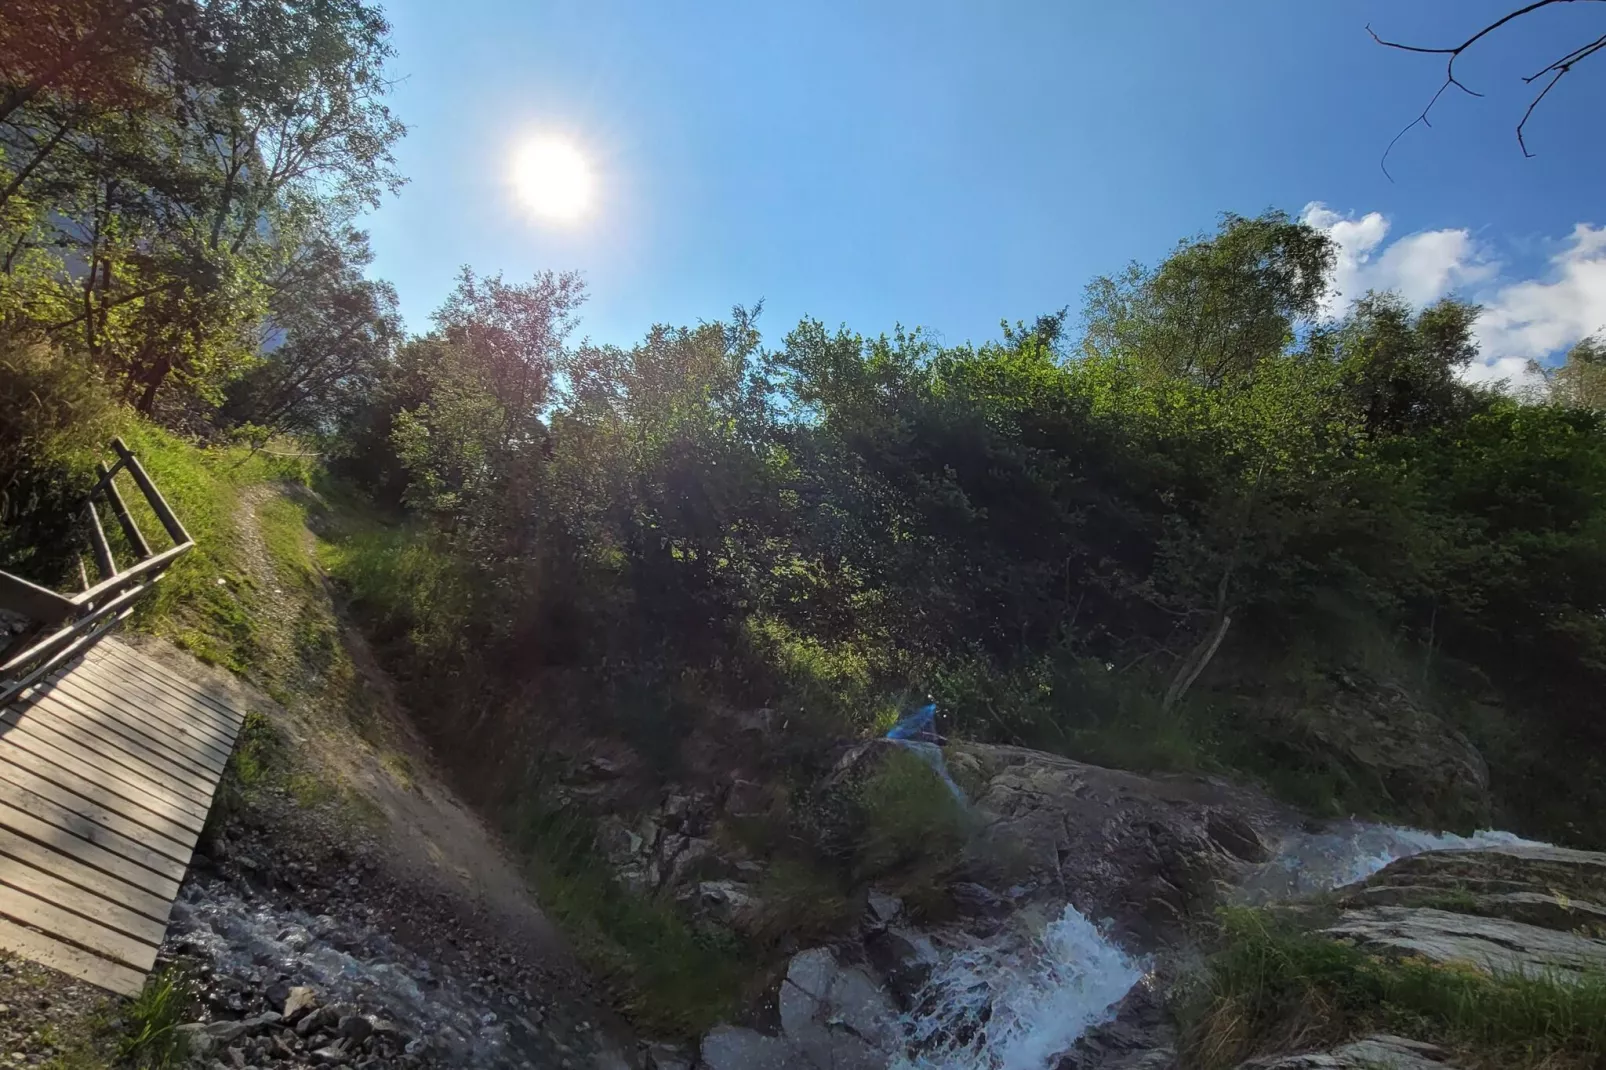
[{"x": 58, "y": 419}]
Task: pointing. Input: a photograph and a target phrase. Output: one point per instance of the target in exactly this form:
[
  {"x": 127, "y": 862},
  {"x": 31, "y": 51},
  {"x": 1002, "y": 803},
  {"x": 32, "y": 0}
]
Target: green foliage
[
  {"x": 675, "y": 979},
  {"x": 908, "y": 820},
  {"x": 1270, "y": 986},
  {"x": 152, "y": 1040},
  {"x": 57, "y": 422},
  {"x": 1094, "y": 548}
]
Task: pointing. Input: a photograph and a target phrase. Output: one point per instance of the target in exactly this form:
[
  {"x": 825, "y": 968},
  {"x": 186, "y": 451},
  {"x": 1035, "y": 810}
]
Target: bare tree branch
[{"x": 1556, "y": 70}]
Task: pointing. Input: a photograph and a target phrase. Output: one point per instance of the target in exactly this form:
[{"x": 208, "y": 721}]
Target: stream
[{"x": 1020, "y": 999}]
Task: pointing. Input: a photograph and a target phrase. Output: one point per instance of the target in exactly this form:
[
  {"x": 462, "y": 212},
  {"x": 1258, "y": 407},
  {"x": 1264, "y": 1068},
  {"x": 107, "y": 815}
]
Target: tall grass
[{"x": 1272, "y": 988}]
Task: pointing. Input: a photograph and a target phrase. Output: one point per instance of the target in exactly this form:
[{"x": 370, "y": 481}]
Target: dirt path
[
  {"x": 348, "y": 827},
  {"x": 425, "y": 832}
]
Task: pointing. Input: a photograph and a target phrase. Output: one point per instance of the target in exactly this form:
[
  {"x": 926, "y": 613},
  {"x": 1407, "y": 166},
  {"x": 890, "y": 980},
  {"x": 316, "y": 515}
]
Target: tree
[
  {"x": 1399, "y": 368},
  {"x": 1546, "y": 77},
  {"x": 332, "y": 331},
  {"x": 158, "y": 181},
  {"x": 1217, "y": 306},
  {"x": 1580, "y": 382}
]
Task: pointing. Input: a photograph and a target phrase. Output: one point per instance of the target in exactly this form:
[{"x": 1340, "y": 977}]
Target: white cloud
[
  {"x": 1421, "y": 267},
  {"x": 1522, "y": 320}
]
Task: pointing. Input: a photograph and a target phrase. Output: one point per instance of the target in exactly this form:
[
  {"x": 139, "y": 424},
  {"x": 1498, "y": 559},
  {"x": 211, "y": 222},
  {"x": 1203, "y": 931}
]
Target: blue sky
[{"x": 949, "y": 164}]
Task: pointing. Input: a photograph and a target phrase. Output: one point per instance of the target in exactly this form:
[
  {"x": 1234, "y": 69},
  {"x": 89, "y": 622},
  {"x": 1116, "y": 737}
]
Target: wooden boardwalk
[{"x": 107, "y": 771}]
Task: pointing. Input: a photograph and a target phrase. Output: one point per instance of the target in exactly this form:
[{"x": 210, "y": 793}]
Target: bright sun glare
[{"x": 553, "y": 180}]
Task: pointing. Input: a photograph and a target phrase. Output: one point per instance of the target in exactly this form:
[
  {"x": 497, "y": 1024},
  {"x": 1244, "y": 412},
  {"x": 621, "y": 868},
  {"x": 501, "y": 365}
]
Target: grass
[
  {"x": 674, "y": 979},
  {"x": 908, "y": 821},
  {"x": 151, "y": 1039},
  {"x": 1273, "y": 988}
]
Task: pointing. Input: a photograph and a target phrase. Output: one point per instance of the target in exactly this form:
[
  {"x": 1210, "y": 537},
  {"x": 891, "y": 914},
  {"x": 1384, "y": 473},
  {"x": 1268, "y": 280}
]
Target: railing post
[{"x": 125, "y": 520}]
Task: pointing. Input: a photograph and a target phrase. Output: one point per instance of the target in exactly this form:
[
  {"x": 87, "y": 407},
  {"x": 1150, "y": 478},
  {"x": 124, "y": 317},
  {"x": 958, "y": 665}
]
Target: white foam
[
  {"x": 1018, "y": 1000},
  {"x": 1354, "y": 850}
]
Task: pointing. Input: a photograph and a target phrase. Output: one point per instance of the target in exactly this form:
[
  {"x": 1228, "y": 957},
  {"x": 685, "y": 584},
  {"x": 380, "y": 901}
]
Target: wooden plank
[
  {"x": 98, "y": 544},
  {"x": 127, "y": 874},
  {"x": 82, "y": 889},
  {"x": 64, "y": 925},
  {"x": 31, "y": 600},
  {"x": 166, "y": 714},
  {"x": 72, "y": 961},
  {"x": 117, "y": 660},
  {"x": 105, "y": 727},
  {"x": 46, "y": 809},
  {"x": 93, "y": 800},
  {"x": 132, "y": 719},
  {"x": 86, "y": 746},
  {"x": 172, "y": 679},
  {"x": 65, "y": 753}
]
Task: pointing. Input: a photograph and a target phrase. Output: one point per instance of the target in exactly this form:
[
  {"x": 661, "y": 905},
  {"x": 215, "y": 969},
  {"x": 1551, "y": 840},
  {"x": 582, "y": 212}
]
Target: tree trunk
[
  {"x": 1196, "y": 661},
  {"x": 153, "y": 383}
]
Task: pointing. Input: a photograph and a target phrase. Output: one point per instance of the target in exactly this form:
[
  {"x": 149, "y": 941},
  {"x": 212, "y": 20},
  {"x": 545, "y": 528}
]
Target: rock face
[
  {"x": 832, "y": 1017},
  {"x": 1433, "y": 775},
  {"x": 1516, "y": 909},
  {"x": 1146, "y": 851}
]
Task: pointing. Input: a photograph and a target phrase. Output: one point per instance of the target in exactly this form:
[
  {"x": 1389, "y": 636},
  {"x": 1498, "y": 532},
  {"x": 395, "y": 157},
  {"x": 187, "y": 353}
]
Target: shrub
[
  {"x": 910, "y": 821},
  {"x": 57, "y": 420}
]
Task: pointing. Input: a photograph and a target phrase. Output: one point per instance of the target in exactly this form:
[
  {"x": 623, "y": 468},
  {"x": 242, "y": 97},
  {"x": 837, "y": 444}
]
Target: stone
[
  {"x": 668, "y": 1057},
  {"x": 837, "y": 1016},
  {"x": 1381, "y": 1052},
  {"x": 355, "y": 1028},
  {"x": 1131, "y": 848},
  {"x": 332, "y": 1055},
  {"x": 882, "y": 908},
  {"x": 729, "y": 1047},
  {"x": 731, "y": 903},
  {"x": 975, "y": 901},
  {"x": 298, "y": 1001},
  {"x": 747, "y": 798},
  {"x": 1432, "y": 774},
  {"x": 904, "y": 959},
  {"x": 227, "y": 1032}
]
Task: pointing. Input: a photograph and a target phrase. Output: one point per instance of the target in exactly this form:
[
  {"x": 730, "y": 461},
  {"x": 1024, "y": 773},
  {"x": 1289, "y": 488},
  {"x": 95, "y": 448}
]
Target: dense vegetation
[{"x": 1124, "y": 541}]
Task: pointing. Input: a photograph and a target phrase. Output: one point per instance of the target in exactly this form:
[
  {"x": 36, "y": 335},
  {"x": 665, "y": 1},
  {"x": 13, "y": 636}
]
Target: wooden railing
[{"x": 64, "y": 626}]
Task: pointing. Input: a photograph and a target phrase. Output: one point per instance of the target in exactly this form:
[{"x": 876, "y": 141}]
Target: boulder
[
  {"x": 838, "y": 1016},
  {"x": 1494, "y": 945},
  {"x": 833, "y": 1017},
  {"x": 1149, "y": 852},
  {"x": 729, "y": 1047},
  {"x": 1428, "y": 772}
]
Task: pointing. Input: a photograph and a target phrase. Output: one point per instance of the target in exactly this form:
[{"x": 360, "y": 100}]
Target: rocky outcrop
[
  {"x": 1150, "y": 852},
  {"x": 832, "y": 1017},
  {"x": 1533, "y": 910},
  {"x": 1425, "y": 772},
  {"x": 1381, "y": 1052}
]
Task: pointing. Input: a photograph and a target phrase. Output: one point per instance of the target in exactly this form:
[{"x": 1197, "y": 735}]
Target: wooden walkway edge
[{"x": 107, "y": 772}]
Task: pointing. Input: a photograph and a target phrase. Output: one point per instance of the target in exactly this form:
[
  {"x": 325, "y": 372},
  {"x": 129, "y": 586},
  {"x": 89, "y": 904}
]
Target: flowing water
[{"x": 1020, "y": 999}]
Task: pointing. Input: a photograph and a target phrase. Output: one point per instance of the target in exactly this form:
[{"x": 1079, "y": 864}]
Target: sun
[{"x": 553, "y": 180}]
